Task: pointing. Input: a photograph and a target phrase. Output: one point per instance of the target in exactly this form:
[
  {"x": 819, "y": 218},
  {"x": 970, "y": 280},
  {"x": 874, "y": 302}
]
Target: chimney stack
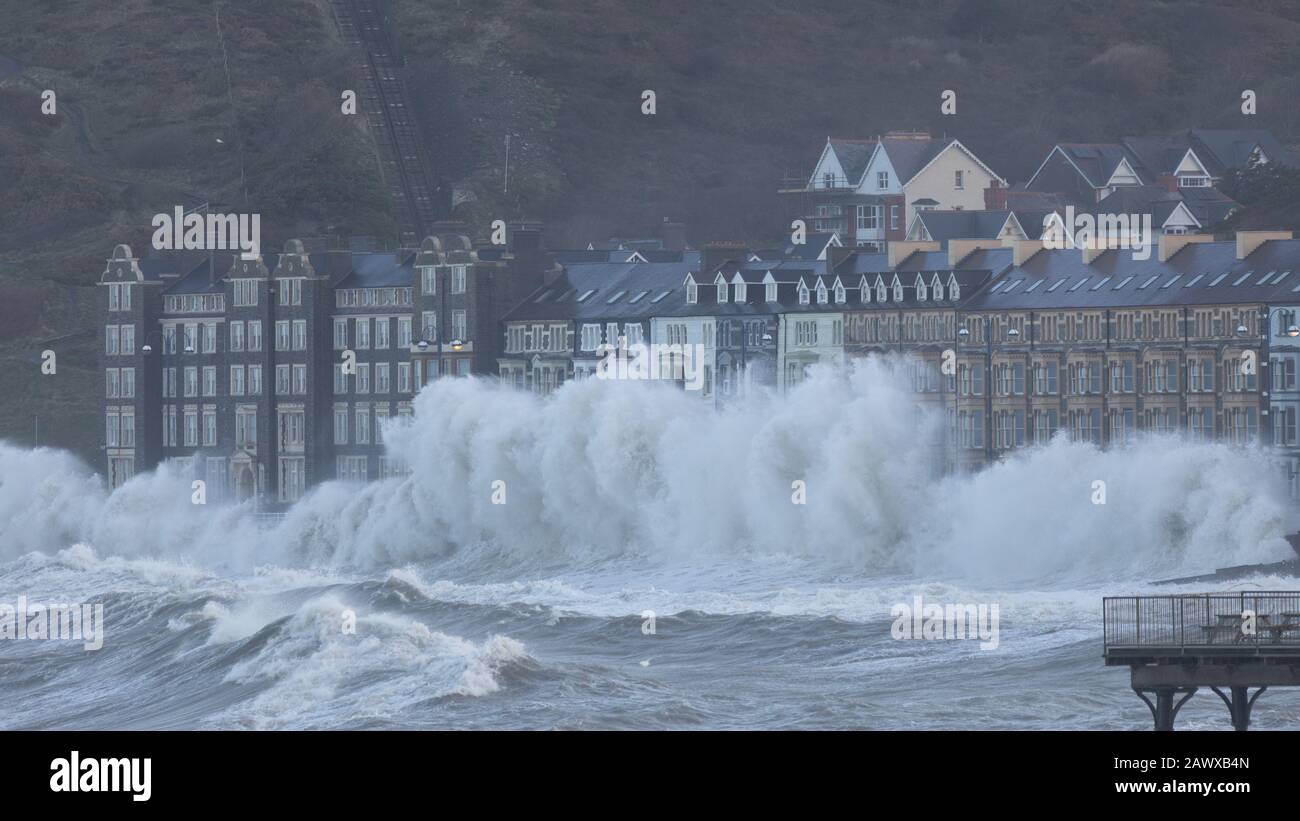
[
  {"x": 1248, "y": 241},
  {"x": 1171, "y": 244},
  {"x": 673, "y": 235},
  {"x": 959, "y": 249},
  {"x": 715, "y": 253},
  {"x": 995, "y": 197},
  {"x": 901, "y": 250},
  {"x": 1168, "y": 182},
  {"x": 1024, "y": 249}
]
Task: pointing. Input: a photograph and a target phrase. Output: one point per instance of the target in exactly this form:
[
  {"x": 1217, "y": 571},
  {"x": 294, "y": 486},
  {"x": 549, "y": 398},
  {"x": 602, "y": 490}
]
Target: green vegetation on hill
[
  {"x": 146, "y": 120},
  {"x": 747, "y": 91}
]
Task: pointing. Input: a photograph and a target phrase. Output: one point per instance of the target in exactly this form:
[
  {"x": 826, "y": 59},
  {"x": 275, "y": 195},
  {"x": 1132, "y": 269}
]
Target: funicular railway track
[{"x": 382, "y": 97}]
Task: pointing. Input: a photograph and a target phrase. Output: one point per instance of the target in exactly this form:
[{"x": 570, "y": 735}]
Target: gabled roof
[
  {"x": 852, "y": 155},
  {"x": 1230, "y": 148},
  {"x": 945, "y": 225},
  {"x": 1095, "y": 162}
]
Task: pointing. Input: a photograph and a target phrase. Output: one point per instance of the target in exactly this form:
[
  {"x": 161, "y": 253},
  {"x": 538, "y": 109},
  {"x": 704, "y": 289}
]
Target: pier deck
[{"x": 1174, "y": 645}]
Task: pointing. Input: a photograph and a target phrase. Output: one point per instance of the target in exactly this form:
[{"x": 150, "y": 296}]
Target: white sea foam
[{"x": 606, "y": 470}]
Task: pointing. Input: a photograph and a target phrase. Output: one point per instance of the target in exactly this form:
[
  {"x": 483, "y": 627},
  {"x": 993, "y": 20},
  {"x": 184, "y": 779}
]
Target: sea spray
[{"x": 607, "y": 469}]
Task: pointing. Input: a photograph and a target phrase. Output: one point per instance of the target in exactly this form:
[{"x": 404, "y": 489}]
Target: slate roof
[
  {"x": 853, "y": 156},
  {"x": 1230, "y": 148},
  {"x": 1199, "y": 274},
  {"x": 910, "y": 155},
  {"x": 1098, "y": 161},
  {"x": 613, "y": 290},
  {"x": 945, "y": 225}
]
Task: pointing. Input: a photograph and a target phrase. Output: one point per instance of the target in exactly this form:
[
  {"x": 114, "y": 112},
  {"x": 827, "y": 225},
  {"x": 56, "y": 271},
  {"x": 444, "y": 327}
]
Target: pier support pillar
[
  {"x": 1165, "y": 709},
  {"x": 1239, "y": 705}
]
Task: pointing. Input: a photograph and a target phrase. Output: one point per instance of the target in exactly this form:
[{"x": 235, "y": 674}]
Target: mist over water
[{"x": 619, "y": 498}]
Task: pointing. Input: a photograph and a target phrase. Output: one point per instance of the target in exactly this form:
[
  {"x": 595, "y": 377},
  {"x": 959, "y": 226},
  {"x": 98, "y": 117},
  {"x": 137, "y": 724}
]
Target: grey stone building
[{"x": 263, "y": 375}]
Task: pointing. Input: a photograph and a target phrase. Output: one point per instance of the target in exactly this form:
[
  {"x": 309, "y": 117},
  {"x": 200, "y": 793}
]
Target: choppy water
[{"x": 625, "y": 499}]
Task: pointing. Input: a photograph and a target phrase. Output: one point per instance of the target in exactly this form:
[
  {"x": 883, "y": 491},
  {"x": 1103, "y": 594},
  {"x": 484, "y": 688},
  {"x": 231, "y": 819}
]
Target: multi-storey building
[
  {"x": 265, "y": 374},
  {"x": 869, "y": 191}
]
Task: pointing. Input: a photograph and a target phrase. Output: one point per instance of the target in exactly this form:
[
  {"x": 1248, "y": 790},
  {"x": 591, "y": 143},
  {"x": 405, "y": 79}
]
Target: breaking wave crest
[{"x": 605, "y": 471}]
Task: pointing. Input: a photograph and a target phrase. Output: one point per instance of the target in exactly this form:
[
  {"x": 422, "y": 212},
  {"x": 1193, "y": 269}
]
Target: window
[
  {"x": 429, "y": 280},
  {"x": 403, "y": 377},
  {"x": 191, "y": 381},
  {"x": 363, "y": 332},
  {"x": 381, "y": 332},
  {"x": 112, "y": 383},
  {"x": 893, "y": 217},
  {"x": 340, "y": 334},
  {"x": 363, "y": 379},
  {"x": 300, "y": 379},
  {"x": 403, "y": 332},
  {"x": 282, "y": 334},
  {"x": 458, "y": 279},
  {"x": 882, "y": 180},
  {"x": 363, "y": 425},
  {"x": 209, "y": 380},
  {"x": 868, "y": 218},
  {"x": 236, "y": 336},
  {"x": 341, "y": 425},
  {"x": 381, "y": 378},
  {"x": 590, "y": 337},
  {"x": 291, "y": 292},
  {"x": 209, "y": 429},
  {"x": 803, "y": 294},
  {"x": 245, "y": 292},
  {"x": 282, "y": 379},
  {"x": 208, "y": 334},
  {"x": 300, "y": 334},
  {"x": 255, "y": 335},
  {"x": 191, "y": 428},
  {"x": 958, "y": 179},
  {"x": 458, "y": 325},
  {"x": 236, "y": 380},
  {"x": 721, "y": 288},
  {"x": 770, "y": 292},
  {"x": 691, "y": 295},
  {"x": 111, "y": 339},
  {"x": 254, "y": 380},
  {"x": 246, "y": 427}
]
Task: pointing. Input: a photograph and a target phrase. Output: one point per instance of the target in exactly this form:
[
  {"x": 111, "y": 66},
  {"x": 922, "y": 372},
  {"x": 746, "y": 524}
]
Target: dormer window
[
  {"x": 770, "y": 296},
  {"x": 691, "y": 293},
  {"x": 740, "y": 292},
  {"x": 936, "y": 287},
  {"x": 840, "y": 294},
  {"x": 898, "y": 290},
  {"x": 864, "y": 290},
  {"x": 920, "y": 289},
  {"x": 954, "y": 290},
  {"x": 722, "y": 292},
  {"x": 881, "y": 294},
  {"x": 821, "y": 293},
  {"x": 803, "y": 294}
]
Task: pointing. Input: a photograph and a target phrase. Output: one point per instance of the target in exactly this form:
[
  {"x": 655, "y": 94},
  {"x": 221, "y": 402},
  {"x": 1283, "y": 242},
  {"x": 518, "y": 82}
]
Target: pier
[{"x": 1229, "y": 642}]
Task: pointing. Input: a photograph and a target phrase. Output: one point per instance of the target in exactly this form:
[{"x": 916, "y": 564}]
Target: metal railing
[{"x": 1239, "y": 620}]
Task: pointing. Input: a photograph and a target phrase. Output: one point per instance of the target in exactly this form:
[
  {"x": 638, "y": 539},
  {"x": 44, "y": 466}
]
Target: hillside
[
  {"x": 151, "y": 113},
  {"x": 748, "y": 90}
]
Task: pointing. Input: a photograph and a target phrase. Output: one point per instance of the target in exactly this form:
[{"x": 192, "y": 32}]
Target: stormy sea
[{"x": 627, "y": 556}]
